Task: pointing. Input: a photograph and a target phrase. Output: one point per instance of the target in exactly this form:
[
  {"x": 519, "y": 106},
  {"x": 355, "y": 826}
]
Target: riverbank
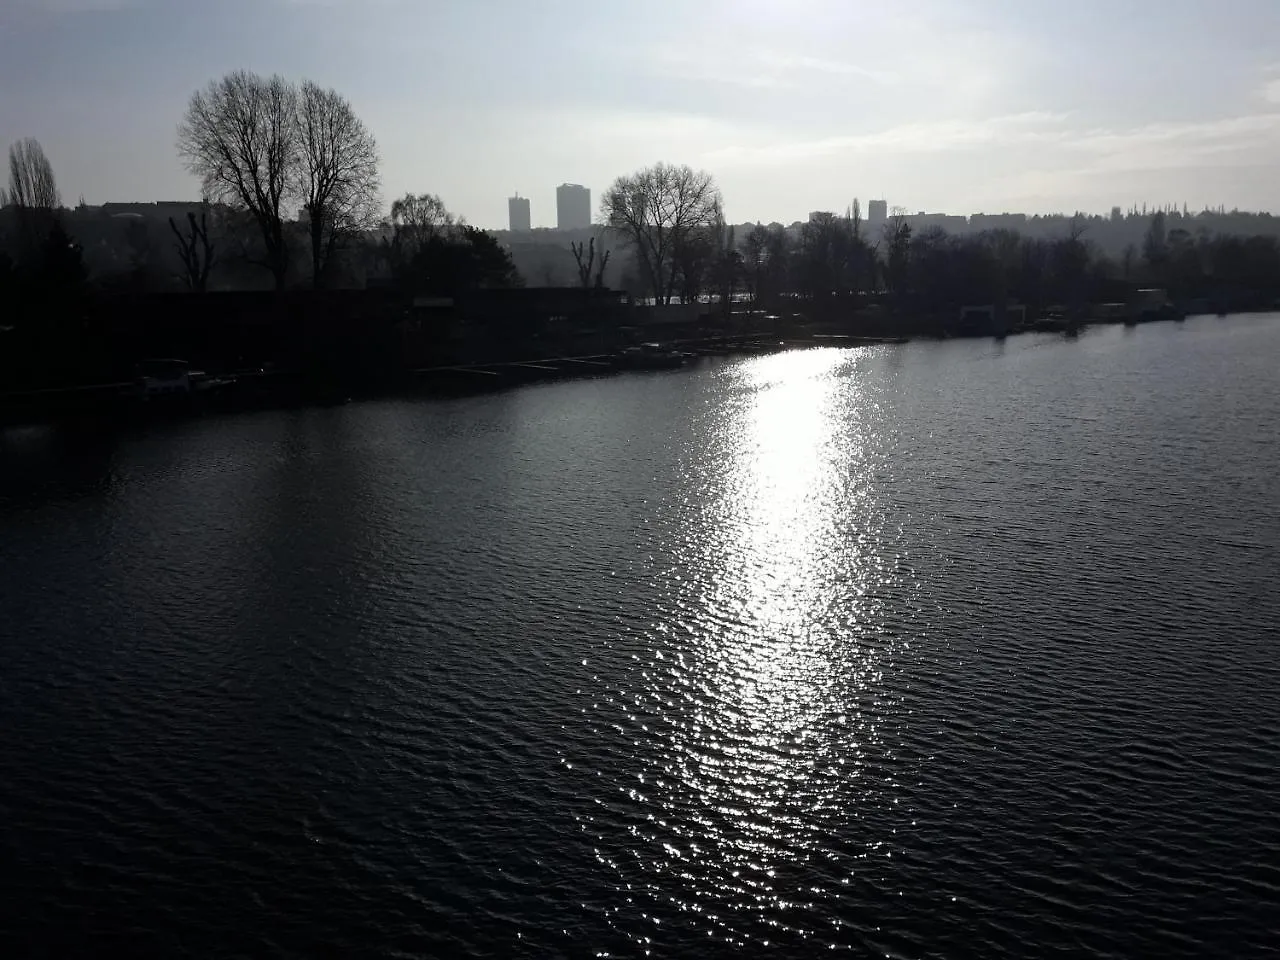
[
  {"x": 419, "y": 357},
  {"x": 269, "y": 388}
]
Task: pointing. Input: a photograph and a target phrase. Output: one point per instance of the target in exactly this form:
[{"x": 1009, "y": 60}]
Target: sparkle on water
[{"x": 762, "y": 683}]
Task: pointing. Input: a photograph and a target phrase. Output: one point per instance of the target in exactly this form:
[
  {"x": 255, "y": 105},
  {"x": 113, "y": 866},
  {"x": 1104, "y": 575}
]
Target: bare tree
[
  {"x": 657, "y": 212},
  {"x": 195, "y": 249},
  {"x": 33, "y": 192},
  {"x": 32, "y": 184},
  {"x": 240, "y": 137},
  {"x": 416, "y": 219},
  {"x": 338, "y": 173},
  {"x": 693, "y": 257},
  {"x": 586, "y": 260}
]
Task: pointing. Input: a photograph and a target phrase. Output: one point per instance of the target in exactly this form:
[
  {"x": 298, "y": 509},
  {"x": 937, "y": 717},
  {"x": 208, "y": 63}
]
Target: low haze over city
[{"x": 948, "y": 106}]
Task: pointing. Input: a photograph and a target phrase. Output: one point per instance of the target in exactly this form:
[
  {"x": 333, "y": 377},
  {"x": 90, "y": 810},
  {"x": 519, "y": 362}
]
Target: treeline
[
  {"x": 670, "y": 221},
  {"x": 430, "y": 251},
  {"x": 290, "y": 178},
  {"x": 257, "y": 143},
  {"x": 1111, "y": 234},
  {"x": 291, "y": 185}
]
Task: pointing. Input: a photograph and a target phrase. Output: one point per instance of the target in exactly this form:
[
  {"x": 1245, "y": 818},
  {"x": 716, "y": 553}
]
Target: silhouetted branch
[
  {"x": 604, "y": 263},
  {"x": 338, "y": 175},
  {"x": 657, "y": 212},
  {"x": 195, "y": 249},
  {"x": 416, "y": 220},
  {"x": 584, "y": 266},
  {"x": 33, "y": 191},
  {"x": 585, "y": 257},
  {"x": 240, "y": 136},
  {"x": 31, "y": 180}
]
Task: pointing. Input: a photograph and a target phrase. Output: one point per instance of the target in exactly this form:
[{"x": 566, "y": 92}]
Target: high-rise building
[
  {"x": 573, "y": 206},
  {"x": 518, "y": 214},
  {"x": 877, "y": 212}
]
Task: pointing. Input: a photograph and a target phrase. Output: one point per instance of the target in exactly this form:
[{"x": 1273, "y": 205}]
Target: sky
[{"x": 954, "y": 106}]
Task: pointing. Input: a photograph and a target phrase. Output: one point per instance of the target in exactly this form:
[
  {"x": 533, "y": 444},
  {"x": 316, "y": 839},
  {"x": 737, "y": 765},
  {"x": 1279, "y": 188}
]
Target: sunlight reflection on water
[{"x": 752, "y": 768}]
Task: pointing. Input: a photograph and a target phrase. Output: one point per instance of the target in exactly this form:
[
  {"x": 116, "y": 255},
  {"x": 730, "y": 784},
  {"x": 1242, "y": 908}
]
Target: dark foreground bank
[{"x": 254, "y": 351}]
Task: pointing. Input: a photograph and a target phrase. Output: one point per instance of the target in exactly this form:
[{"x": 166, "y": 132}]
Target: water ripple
[{"x": 933, "y": 650}]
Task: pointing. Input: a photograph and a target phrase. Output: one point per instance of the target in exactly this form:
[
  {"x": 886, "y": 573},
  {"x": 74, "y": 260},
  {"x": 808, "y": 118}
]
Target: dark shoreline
[
  {"x": 252, "y": 391},
  {"x": 258, "y": 390},
  {"x": 264, "y": 390}
]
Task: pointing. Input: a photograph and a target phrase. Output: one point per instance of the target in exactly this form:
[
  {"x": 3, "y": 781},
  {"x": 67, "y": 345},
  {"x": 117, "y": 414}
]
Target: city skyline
[
  {"x": 959, "y": 106},
  {"x": 874, "y": 213}
]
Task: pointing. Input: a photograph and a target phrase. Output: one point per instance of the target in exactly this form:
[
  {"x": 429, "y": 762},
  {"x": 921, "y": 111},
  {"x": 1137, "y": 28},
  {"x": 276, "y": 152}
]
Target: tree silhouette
[
  {"x": 657, "y": 213},
  {"x": 897, "y": 242},
  {"x": 196, "y": 251},
  {"x": 430, "y": 252},
  {"x": 240, "y": 136},
  {"x": 33, "y": 192},
  {"x": 586, "y": 261},
  {"x": 32, "y": 184},
  {"x": 417, "y": 219},
  {"x": 831, "y": 256},
  {"x": 338, "y": 174},
  {"x": 693, "y": 254}
]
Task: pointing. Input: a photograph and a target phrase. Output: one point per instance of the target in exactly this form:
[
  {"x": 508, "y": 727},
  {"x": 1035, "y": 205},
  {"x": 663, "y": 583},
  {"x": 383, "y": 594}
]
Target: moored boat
[{"x": 651, "y": 356}]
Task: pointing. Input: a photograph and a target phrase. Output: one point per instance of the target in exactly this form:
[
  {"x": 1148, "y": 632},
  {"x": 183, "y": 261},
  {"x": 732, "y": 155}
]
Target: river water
[{"x": 936, "y": 649}]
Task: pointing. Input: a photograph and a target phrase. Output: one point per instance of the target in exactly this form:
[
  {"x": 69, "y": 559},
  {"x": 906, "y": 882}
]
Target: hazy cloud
[
  {"x": 68, "y": 6},
  {"x": 1228, "y": 142},
  {"x": 754, "y": 67},
  {"x": 928, "y": 137},
  {"x": 792, "y": 69},
  {"x": 1162, "y": 144}
]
